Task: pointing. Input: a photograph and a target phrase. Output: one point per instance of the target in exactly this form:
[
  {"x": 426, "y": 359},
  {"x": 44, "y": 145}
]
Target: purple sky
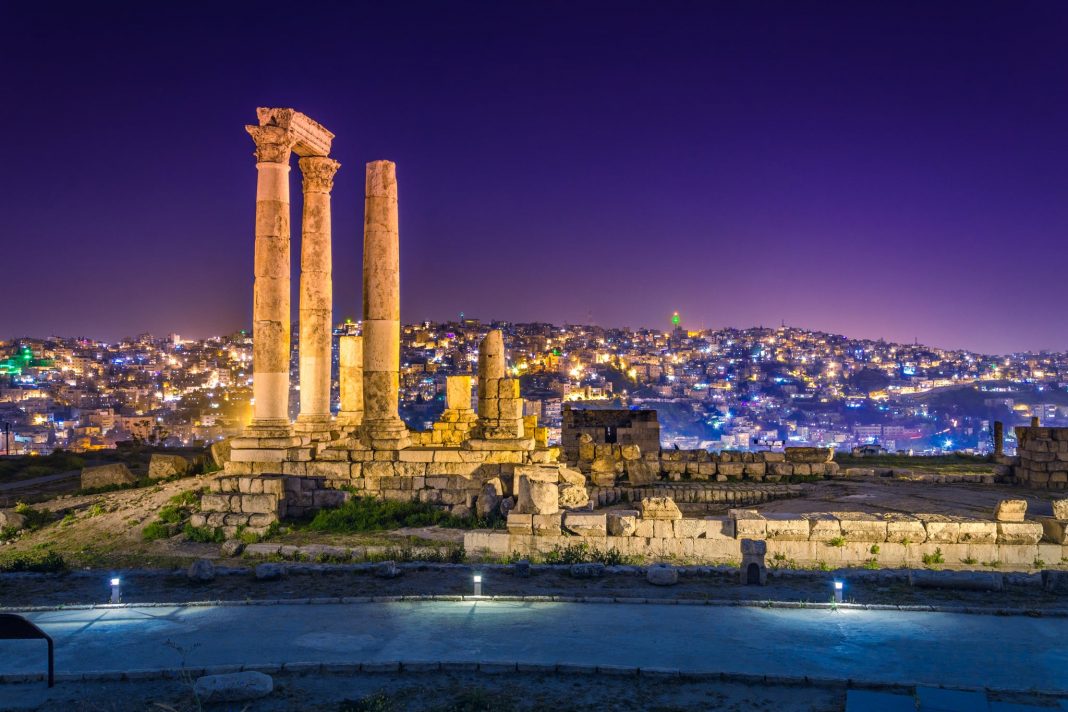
[{"x": 894, "y": 169}]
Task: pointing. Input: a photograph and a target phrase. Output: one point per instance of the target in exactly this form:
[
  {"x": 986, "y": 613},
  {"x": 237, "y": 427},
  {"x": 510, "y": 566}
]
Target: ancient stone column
[
  {"x": 270, "y": 302},
  {"x": 500, "y": 409},
  {"x": 350, "y": 372},
  {"x": 316, "y": 297},
  {"x": 491, "y": 356},
  {"x": 382, "y": 427},
  {"x": 999, "y": 438}
]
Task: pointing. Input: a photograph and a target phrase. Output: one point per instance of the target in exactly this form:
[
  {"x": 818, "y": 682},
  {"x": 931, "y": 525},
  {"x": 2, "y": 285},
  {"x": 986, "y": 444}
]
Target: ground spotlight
[
  {"x": 478, "y": 584},
  {"x": 116, "y": 593},
  {"x": 837, "y": 591}
]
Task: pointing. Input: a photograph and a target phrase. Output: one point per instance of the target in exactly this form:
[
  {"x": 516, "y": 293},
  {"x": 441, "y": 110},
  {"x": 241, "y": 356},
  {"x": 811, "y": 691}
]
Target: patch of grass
[
  {"x": 189, "y": 499},
  {"x": 874, "y": 549},
  {"x": 203, "y": 535},
  {"x": 992, "y": 564},
  {"x": 44, "y": 561},
  {"x": 935, "y": 558},
  {"x": 970, "y": 560},
  {"x": 68, "y": 520},
  {"x": 1039, "y": 563},
  {"x": 8, "y": 533},
  {"x": 95, "y": 511},
  {"x": 871, "y": 563},
  {"x": 158, "y": 530},
  {"x": 836, "y": 541},
  {"x": 583, "y": 554},
  {"x": 368, "y": 514}
]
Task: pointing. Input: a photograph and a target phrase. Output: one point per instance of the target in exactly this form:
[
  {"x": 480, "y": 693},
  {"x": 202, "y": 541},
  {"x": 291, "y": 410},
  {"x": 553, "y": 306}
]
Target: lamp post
[
  {"x": 116, "y": 593},
  {"x": 478, "y": 584},
  {"x": 837, "y": 591}
]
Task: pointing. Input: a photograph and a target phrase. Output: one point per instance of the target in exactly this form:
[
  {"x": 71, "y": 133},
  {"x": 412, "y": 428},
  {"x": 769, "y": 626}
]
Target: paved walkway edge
[
  {"x": 971, "y": 610},
  {"x": 489, "y": 667}
]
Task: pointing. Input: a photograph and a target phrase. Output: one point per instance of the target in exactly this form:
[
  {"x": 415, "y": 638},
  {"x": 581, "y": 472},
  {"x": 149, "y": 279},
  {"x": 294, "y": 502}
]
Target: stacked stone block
[{"x": 1042, "y": 457}]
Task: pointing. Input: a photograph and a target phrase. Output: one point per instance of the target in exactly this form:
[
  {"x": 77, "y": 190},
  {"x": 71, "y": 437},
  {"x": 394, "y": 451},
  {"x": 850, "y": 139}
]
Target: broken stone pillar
[
  {"x": 1035, "y": 422},
  {"x": 999, "y": 438},
  {"x": 270, "y": 301},
  {"x": 456, "y": 421},
  {"x": 316, "y": 298},
  {"x": 382, "y": 427},
  {"x": 500, "y": 409},
  {"x": 350, "y": 377}
]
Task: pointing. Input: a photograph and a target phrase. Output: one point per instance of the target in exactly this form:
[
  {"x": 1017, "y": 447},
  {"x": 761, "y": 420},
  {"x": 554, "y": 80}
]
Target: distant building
[{"x": 610, "y": 427}]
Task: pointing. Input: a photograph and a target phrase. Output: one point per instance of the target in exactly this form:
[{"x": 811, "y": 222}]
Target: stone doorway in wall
[{"x": 752, "y": 575}]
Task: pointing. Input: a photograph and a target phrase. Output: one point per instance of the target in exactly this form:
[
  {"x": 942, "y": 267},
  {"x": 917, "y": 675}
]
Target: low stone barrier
[{"x": 809, "y": 539}]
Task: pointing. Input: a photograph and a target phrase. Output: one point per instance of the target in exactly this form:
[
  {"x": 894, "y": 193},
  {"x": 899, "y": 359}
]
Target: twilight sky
[{"x": 880, "y": 169}]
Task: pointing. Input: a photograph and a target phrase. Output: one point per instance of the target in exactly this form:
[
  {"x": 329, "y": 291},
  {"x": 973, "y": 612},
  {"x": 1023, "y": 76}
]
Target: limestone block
[
  {"x": 750, "y": 525},
  {"x": 547, "y": 524},
  {"x": 520, "y": 523},
  {"x": 660, "y": 508},
  {"x": 662, "y": 575},
  {"x": 1060, "y": 509},
  {"x": 720, "y": 528},
  {"x": 730, "y": 469},
  {"x": 573, "y": 496},
  {"x": 643, "y": 528},
  {"x": 544, "y": 473},
  {"x": 901, "y": 530},
  {"x": 586, "y": 523},
  {"x": 787, "y": 527},
  {"x": 622, "y": 522},
  {"x": 1019, "y": 532},
  {"x": 823, "y": 527},
  {"x": 640, "y": 472},
  {"x": 861, "y": 527},
  {"x": 1011, "y": 510},
  {"x": 215, "y": 503},
  {"x": 976, "y": 532},
  {"x": 571, "y": 477},
  {"x": 9, "y": 518},
  {"x": 630, "y": 452},
  {"x": 257, "y": 503},
  {"x": 537, "y": 497},
  {"x": 809, "y": 455},
  {"x": 663, "y": 528},
  {"x": 458, "y": 392},
  {"x": 161, "y": 466},
  {"x": 754, "y": 468},
  {"x": 688, "y": 528},
  {"x": 1054, "y": 530},
  {"x": 940, "y": 530},
  {"x": 107, "y": 475}
]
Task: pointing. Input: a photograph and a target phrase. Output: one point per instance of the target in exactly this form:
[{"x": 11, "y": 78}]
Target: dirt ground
[
  {"x": 449, "y": 692},
  {"x": 147, "y": 586}
]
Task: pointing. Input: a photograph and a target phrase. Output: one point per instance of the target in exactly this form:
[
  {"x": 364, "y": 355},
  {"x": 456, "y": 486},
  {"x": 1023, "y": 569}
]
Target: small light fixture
[
  {"x": 837, "y": 591},
  {"x": 116, "y": 594},
  {"x": 478, "y": 584}
]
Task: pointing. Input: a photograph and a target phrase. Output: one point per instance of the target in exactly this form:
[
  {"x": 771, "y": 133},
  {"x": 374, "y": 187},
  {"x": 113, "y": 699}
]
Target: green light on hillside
[{"x": 675, "y": 319}]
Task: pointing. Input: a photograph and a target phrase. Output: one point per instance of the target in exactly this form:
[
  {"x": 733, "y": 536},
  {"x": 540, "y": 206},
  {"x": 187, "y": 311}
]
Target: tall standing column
[
  {"x": 382, "y": 427},
  {"x": 316, "y": 297},
  {"x": 270, "y": 302},
  {"x": 350, "y": 378}
]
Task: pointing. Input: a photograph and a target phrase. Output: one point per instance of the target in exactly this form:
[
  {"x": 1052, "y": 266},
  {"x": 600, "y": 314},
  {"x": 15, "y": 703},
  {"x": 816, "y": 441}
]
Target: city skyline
[{"x": 849, "y": 170}]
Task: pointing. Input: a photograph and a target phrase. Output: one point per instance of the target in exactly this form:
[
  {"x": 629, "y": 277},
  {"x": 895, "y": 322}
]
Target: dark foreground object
[{"x": 14, "y": 627}]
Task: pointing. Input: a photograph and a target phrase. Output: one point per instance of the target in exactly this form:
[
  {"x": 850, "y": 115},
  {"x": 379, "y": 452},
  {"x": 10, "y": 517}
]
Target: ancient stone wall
[
  {"x": 629, "y": 427},
  {"x": 1041, "y": 457}
]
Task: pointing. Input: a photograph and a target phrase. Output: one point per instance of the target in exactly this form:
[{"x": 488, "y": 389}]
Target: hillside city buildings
[{"x": 727, "y": 389}]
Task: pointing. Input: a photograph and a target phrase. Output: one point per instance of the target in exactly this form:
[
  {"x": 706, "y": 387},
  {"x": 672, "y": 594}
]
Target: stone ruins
[{"x": 491, "y": 460}]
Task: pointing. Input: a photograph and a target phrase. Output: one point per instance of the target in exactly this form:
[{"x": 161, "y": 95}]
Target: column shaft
[
  {"x": 316, "y": 295},
  {"x": 350, "y": 376},
  {"x": 382, "y": 425},
  {"x": 270, "y": 306}
]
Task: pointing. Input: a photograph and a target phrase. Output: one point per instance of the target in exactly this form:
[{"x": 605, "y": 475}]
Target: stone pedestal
[
  {"x": 316, "y": 300},
  {"x": 382, "y": 428},
  {"x": 500, "y": 409},
  {"x": 350, "y": 377}
]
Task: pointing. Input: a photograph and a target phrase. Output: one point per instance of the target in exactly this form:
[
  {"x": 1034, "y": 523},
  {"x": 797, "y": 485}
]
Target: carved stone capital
[
  {"x": 318, "y": 172},
  {"x": 273, "y": 144}
]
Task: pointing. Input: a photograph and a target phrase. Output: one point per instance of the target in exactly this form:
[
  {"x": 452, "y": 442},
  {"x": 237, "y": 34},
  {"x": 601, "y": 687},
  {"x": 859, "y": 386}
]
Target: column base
[
  {"x": 313, "y": 428},
  {"x": 266, "y": 441},
  {"x": 347, "y": 421},
  {"x": 391, "y": 434}
]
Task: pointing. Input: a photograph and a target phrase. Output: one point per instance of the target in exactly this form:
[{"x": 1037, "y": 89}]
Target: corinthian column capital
[
  {"x": 273, "y": 143},
  {"x": 318, "y": 172}
]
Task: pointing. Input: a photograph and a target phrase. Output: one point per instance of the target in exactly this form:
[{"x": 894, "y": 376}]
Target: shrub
[
  {"x": 935, "y": 558},
  {"x": 836, "y": 541},
  {"x": 583, "y": 554},
  {"x": 367, "y": 514},
  {"x": 41, "y": 561},
  {"x": 157, "y": 530},
  {"x": 970, "y": 560},
  {"x": 35, "y": 518},
  {"x": 95, "y": 511},
  {"x": 203, "y": 535},
  {"x": 874, "y": 549},
  {"x": 189, "y": 498}
]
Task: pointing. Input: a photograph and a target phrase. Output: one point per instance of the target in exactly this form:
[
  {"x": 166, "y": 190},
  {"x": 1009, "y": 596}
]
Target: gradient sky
[{"x": 880, "y": 169}]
